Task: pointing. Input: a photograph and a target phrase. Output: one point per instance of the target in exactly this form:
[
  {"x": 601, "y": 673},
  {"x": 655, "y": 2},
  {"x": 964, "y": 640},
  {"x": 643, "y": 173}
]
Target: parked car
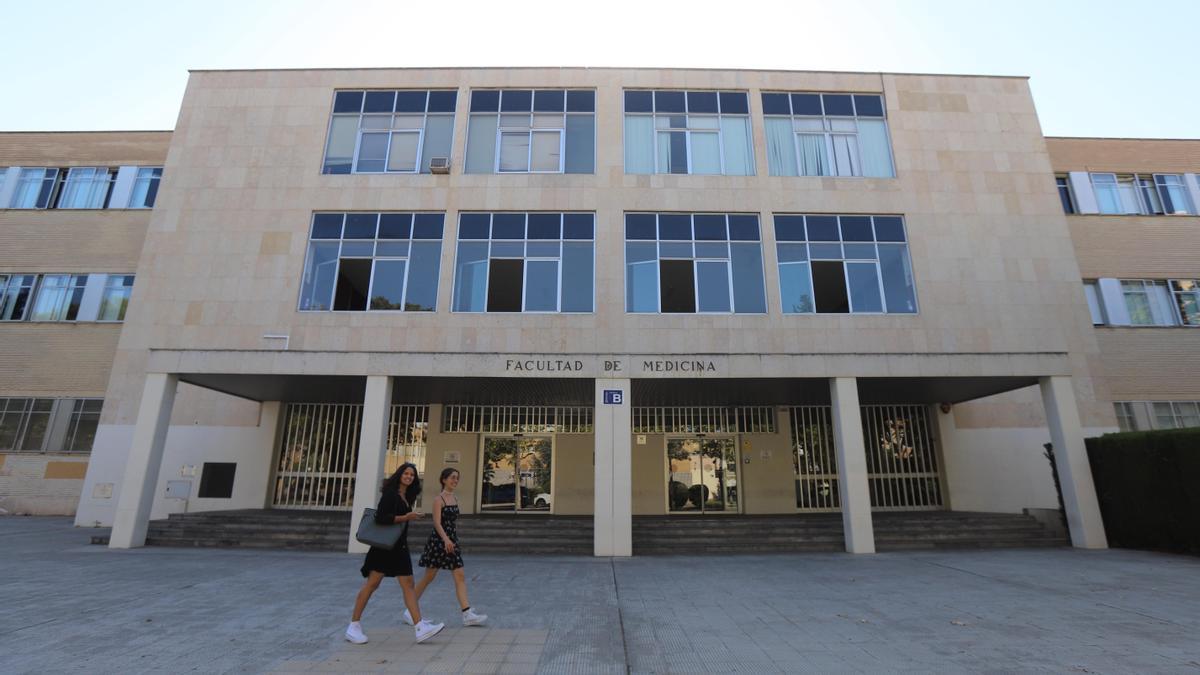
[{"x": 542, "y": 500}]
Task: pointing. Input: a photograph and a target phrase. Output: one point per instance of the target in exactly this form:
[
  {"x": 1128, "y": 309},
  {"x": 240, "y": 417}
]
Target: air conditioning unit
[{"x": 439, "y": 165}]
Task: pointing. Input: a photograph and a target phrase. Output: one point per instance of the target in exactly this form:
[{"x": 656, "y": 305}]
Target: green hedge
[{"x": 1148, "y": 483}]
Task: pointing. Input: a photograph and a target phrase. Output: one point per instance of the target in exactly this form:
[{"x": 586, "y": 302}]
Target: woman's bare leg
[
  {"x": 430, "y": 575},
  {"x": 410, "y": 598},
  {"x": 460, "y": 588},
  {"x": 364, "y": 594}
]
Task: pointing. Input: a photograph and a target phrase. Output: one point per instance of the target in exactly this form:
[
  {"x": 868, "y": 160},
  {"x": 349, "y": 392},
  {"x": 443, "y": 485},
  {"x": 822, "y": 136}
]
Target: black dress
[
  {"x": 396, "y": 562},
  {"x": 435, "y": 554}
]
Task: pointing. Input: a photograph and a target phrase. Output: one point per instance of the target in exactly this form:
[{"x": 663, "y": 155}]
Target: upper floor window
[
  {"x": 1133, "y": 194},
  {"x": 372, "y": 262},
  {"x": 35, "y": 188},
  {"x": 688, "y": 132},
  {"x": 15, "y": 293},
  {"x": 693, "y": 263},
  {"x": 145, "y": 187},
  {"x": 87, "y": 187},
  {"x": 532, "y": 131},
  {"x": 59, "y": 297},
  {"x": 389, "y": 131},
  {"x": 1064, "y": 194},
  {"x": 844, "y": 264},
  {"x": 1186, "y": 293},
  {"x": 812, "y": 134},
  {"x": 114, "y": 300},
  {"x": 1148, "y": 302},
  {"x": 525, "y": 262}
]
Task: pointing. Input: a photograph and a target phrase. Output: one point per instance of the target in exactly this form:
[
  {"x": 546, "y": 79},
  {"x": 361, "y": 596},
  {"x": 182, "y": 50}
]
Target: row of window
[
  {"x": 79, "y": 187},
  {"x": 554, "y": 131},
  {"x": 1144, "y": 302},
  {"x": 1147, "y": 415},
  {"x": 48, "y": 424},
  {"x": 64, "y": 297},
  {"x": 1128, "y": 194},
  {"x": 545, "y": 262}
]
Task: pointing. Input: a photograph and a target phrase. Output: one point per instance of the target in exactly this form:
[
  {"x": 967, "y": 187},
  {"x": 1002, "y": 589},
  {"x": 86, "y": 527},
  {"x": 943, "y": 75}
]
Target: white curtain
[
  {"x": 514, "y": 151},
  {"x": 739, "y": 158},
  {"x": 876, "y": 151},
  {"x": 706, "y": 153},
  {"x": 639, "y": 144},
  {"x": 845, "y": 154},
  {"x": 781, "y": 149},
  {"x": 814, "y": 160},
  {"x": 481, "y": 144}
]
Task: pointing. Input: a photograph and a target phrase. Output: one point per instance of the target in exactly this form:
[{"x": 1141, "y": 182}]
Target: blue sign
[{"x": 614, "y": 397}]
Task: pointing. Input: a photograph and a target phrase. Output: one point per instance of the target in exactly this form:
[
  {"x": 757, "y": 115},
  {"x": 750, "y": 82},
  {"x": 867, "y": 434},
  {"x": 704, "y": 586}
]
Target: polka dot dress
[{"x": 435, "y": 554}]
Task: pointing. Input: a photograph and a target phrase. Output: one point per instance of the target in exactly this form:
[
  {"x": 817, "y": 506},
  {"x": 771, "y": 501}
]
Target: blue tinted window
[
  {"x": 327, "y": 226},
  {"x": 743, "y": 228},
  {"x": 516, "y": 100},
  {"x": 639, "y": 101},
  {"x": 578, "y": 226},
  {"x": 702, "y": 101},
  {"x": 395, "y": 225},
  {"x": 856, "y": 228},
  {"x": 548, "y": 101},
  {"x": 789, "y": 228},
  {"x": 410, "y": 101},
  {"x": 581, "y": 100},
  {"x": 347, "y": 102},
  {"x": 674, "y": 226},
  {"x": 710, "y": 227},
  {"x": 379, "y": 101},
  {"x": 868, "y": 106},
  {"x": 428, "y": 225},
  {"x": 806, "y": 104},
  {"x": 822, "y": 228},
  {"x": 838, "y": 104},
  {"x": 734, "y": 103},
  {"x": 544, "y": 226},
  {"x": 508, "y": 226},
  {"x": 640, "y": 226},
  {"x": 360, "y": 225},
  {"x": 485, "y": 101},
  {"x": 776, "y": 104},
  {"x": 474, "y": 226},
  {"x": 889, "y": 228},
  {"x": 669, "y": 101},
  {"x": 442, "y": 101}
]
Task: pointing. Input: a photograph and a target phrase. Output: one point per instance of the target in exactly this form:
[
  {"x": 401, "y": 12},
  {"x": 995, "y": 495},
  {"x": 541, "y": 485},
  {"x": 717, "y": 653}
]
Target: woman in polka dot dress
[{"x": 442, "y": 551}]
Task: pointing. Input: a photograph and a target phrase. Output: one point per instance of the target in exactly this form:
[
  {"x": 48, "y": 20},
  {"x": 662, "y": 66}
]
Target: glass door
[
  {"x": 516, "y": 474},
  {"x": 702, "y": 475}
]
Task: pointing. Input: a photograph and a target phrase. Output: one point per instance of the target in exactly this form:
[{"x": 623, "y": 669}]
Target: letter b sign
[{"x": 614, "y": 397}]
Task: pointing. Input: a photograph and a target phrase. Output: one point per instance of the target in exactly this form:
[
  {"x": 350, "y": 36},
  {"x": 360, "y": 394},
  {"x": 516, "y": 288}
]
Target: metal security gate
[
  {"x": 902, "y": 466},
  {"x": 319, "y": 454}
]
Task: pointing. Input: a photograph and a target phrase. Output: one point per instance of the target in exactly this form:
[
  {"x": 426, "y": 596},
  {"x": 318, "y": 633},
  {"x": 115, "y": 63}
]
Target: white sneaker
[
  {"x": 408, "y": 617},
  {"x": 354, "y": 634},
  {"x": 426, "y": 630},
  {"x": 470, "y": 618}
]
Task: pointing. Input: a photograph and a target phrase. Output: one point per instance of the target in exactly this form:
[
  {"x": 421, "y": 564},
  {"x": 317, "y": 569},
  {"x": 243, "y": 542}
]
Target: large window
[
  {"x": 812, "y": 134},
  {"x": 389, "y": 131},
  {"x": 35, "y": 189},
  {"x": 844, "y": 264},
  {"x": 1186, "y": 293},
  {"x": 24, "y": 424},
  {"x": 87, "y": 187},
  {"x": 1134, "y": 194},
  {"x": 59, "y": 297},
  {"x": 693, "y": 263},
  {"x": 688, "y": 132},
  {"x": 525, "y": 262},
  {"x": 81, "y": 429},
  {"x": 15, "y": 292},
  {"x": 145, "y": 187},
  {"x": 114, "y": 299},
  {"x": 372, "y": 262},
  {"x": 532, "y": 131},
  {"x": 1148, "y": 302}
]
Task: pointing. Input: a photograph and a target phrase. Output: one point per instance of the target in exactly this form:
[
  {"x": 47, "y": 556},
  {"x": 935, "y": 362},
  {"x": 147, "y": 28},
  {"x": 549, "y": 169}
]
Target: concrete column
[
  {"x": 852, "y": 465},
  {"x": 372, "y": 455},
  {"x": 614, "y": 469},
  {"x": 144, "y": 460},
  {"x": 1074, "y": 471}
]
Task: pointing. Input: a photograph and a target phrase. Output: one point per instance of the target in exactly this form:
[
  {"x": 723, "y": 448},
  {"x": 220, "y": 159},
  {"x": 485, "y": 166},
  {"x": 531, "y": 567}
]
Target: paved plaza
[{"x": 71, "y": 607}]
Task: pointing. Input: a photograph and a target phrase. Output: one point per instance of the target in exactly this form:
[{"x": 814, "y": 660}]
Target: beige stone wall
[
  {"x": 40, "y": 485},
  {"x": 992, "y": 254},
  {"x": 574, "y": 474}
]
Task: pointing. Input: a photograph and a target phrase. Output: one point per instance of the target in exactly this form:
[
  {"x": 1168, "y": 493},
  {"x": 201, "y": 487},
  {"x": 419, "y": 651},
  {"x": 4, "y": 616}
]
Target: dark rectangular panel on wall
[{"x": 216, "y": 480}]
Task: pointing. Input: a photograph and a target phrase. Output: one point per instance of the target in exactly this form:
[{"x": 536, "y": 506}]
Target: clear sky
[{"x": 1098, "y": 67}]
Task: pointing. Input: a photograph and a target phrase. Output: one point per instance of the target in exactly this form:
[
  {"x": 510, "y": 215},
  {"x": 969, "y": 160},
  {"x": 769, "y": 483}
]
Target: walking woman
[
  {"x": 395, "y": 506},
  {"x": 442, "y": 551}
]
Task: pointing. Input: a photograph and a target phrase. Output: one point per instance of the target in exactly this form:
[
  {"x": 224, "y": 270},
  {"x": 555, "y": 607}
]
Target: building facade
[{"x": 619, "y": 292}]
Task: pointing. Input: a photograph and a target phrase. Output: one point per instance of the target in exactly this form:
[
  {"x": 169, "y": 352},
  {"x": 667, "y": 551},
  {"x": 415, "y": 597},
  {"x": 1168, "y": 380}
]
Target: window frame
[
  {"x": 25, "y": 418},
  {"x": 77, "y": 412},
  {"x": 1174, "y": 287},
  {"x": 390, "y": 131},
  {"x": 7, "y": 286},
  {"x": 499, "y": 115},
  {"x": 62, "y": 309},
  {"x": 1171, "y": 313},
  {"x": 1065, "y": 194},
  {"x": 153, "y": 183},
  {"x": 52, "y": 181},
  {"x": 828, "y": 133},
  {"x": 100, "y": 176},
  {"x": 689, "y": 131}
]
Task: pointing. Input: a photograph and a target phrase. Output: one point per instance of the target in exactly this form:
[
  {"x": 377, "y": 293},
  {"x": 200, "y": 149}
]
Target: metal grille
[
  {"x": 408, "y": 434},
  {"x": 700, "y": 419},
  {"x": 516, "y": 419},
  {"x": 902, "y": 470},
  {"x": 319, "y": 455}
]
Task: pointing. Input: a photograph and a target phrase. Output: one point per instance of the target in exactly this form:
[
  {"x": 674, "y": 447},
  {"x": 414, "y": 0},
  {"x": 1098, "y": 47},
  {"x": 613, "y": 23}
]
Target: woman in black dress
[
  {"x": 442, "y": 550},
  {"x": 395, "y": 507}
]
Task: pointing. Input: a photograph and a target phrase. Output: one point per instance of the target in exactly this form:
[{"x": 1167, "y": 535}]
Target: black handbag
[{"x": 372, "y": 533}]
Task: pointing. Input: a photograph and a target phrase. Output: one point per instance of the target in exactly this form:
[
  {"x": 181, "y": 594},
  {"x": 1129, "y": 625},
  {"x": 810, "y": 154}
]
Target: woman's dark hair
[
  {"x": 393, "y": 482},
  {"x": 446, "y": 474}
]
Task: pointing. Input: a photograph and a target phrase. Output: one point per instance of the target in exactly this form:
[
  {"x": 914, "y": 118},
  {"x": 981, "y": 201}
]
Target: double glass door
[
  {"x": 702, "y": 475},
  {"x": 516, "y": 474}
]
